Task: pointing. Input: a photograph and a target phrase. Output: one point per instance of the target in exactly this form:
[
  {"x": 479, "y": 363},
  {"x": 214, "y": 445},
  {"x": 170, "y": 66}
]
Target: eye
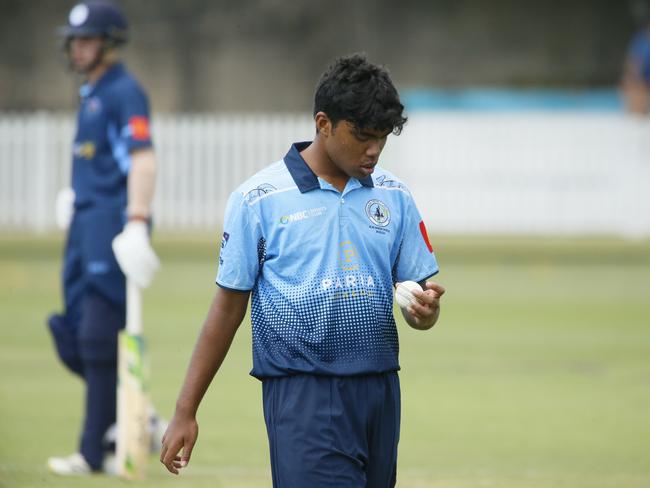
[{"x": 362, "y": 136}]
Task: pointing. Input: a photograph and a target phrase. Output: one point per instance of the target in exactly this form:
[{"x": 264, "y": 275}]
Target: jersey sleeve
[
  {"x": 415, "y": 259},
  {"x": 242, "y": 246},
  {"x": 133, "y": 118}
]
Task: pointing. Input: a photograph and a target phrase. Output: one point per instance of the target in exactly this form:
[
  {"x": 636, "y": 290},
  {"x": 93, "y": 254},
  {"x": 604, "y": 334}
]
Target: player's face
[
  {"x": 84, "y": 53},
  {"x": 355, "y": 151}
]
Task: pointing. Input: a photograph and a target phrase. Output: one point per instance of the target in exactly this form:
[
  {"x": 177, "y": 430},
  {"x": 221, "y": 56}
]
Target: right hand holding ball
[
  {"x": 420, "y": 307},
  {"x": 403, "y": 293}
]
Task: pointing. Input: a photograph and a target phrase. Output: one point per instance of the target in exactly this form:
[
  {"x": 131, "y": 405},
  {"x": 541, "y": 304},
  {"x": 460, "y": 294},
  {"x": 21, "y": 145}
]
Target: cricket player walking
[
  {"x": 319, "y": 240},
  {"x": 113, "y": 173}
]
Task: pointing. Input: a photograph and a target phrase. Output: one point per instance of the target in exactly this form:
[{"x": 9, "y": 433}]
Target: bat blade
[{"x": 133, "y": 438}]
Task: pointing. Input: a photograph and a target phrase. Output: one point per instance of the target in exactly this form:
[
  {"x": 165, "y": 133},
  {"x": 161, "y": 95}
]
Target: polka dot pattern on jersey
[{"x": 333, "y": 321}]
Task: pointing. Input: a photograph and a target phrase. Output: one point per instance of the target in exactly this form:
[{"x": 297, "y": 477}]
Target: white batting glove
[
  {"x": 64, "y": 208},
  {"x": 134, "y": 253}
]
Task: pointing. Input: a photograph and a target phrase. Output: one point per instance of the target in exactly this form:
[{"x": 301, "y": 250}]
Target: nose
[{"x": 374, "y": 148}]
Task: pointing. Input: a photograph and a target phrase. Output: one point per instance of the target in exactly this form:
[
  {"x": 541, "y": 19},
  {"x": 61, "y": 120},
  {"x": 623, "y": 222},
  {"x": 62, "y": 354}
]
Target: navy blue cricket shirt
[{"x": 113, "y": 121}]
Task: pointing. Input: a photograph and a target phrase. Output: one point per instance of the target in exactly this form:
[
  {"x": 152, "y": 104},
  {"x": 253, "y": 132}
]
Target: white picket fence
[{"x": 471, "y": 173}]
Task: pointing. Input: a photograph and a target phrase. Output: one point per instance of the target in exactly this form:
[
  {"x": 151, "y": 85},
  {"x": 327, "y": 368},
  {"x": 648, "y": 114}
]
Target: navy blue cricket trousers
[
  {"x": 333, "y": 431},
  {"x": 85, "y": 335}
]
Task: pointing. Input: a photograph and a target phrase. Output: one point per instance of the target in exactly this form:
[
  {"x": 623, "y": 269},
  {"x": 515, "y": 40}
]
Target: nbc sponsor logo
[{"x": 302, "y": 215}]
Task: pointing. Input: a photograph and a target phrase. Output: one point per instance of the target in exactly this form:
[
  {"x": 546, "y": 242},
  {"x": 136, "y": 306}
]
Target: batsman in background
[
  {"x": 636, "y": 70},
  {"x": 113, "y": 175},
  {"x": 319, "y": 239}
]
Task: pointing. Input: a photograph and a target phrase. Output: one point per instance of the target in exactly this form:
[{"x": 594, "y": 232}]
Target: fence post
[{"x": 42, "y": 206}]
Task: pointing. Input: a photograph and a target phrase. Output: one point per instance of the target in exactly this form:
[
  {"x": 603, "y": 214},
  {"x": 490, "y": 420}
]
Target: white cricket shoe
[
  {"x": 73, "y": 465},
  {"x": 109, "y": 465}
]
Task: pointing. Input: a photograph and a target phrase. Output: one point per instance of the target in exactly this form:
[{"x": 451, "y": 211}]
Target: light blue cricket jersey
[{"x": 321, "y": 266}]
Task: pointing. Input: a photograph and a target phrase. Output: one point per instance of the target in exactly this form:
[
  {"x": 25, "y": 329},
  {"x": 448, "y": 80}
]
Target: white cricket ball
[{"x": 403, "y": 294}]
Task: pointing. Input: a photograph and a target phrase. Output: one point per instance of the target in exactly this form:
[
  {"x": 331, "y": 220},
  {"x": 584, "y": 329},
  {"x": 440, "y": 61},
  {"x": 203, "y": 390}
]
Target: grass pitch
[{"x": 538, "y": 374}]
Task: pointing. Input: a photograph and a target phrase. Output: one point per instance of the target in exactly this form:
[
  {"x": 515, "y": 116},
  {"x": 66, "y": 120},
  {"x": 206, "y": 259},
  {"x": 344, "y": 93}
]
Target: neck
[
  {"x": 97, "y": 72},
  {"x": 108, "y": 59},
  {"x": 320, "y": 163}
]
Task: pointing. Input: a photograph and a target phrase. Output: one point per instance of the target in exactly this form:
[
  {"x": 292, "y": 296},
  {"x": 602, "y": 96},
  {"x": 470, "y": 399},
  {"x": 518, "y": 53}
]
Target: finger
[
  {"x": 163, "y": 451},
  {"x": 170, "y": 467},
  {"x": 187, "y": 452},
  {"x": 427, "y": 297},
  {"x": 437, "y": 288},
  {"x": 426, "y": 309},
  {"x": 174, "y": 465},
  {"x": 417, "y": 312},
  {"x": 170, "y": 455}
]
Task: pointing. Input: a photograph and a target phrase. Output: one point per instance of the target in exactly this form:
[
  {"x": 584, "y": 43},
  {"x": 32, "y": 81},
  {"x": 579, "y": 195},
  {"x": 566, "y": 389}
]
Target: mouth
[{"x": 368, "y": 168}]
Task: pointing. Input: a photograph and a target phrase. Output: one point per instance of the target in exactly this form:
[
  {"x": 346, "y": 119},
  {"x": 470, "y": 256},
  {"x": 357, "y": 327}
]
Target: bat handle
[{"x": 133, "y": 308}]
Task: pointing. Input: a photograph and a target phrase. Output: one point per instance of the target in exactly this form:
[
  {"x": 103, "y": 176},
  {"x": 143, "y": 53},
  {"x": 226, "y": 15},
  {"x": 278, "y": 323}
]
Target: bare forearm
[
  {"x": 142, "y": 182},
  {"x": 211, "y": 348}
]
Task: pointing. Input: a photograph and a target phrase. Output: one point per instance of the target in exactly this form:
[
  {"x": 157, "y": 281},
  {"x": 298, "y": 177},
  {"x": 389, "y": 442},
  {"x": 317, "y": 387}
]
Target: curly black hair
[{"x": 359, "y": 92}]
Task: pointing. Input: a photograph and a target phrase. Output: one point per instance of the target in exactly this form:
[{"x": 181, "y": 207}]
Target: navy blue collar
[
  {"x": 306, "y": 180},
  {"x": 114, "y": 71}
]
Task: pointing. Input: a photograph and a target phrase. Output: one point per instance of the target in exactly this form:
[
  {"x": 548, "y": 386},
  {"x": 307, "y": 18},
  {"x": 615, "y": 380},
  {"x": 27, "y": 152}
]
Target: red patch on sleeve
[
  {"x": 139, "y": 128},
  {"x": 425, "y": 236}
]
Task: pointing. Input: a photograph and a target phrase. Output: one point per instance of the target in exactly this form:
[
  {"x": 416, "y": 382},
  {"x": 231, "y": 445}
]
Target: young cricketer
[{"x": 318, "y": 240}]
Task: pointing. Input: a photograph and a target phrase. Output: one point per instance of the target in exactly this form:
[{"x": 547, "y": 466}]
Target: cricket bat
[{"x": 133, "y": 437}]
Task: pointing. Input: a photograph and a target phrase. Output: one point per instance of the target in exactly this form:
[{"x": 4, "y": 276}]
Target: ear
[{"x": 323, "y": 124}]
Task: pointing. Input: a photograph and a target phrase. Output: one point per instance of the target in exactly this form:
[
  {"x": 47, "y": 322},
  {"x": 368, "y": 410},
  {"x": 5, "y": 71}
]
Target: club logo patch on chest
[
  {"x": 378, "y": 213},
  {"x": 93, "y": 106}
]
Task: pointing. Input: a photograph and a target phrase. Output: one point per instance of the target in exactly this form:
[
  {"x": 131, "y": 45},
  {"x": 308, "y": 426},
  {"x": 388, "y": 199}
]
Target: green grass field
[{"x": 538, "y": 374}]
